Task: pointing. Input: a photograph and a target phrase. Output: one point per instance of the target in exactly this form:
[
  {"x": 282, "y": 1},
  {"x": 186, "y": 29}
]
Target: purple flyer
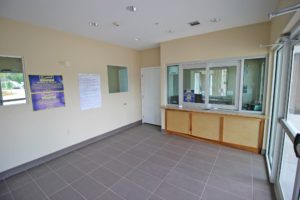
[
  {"x": 46, "y": 83},
  {"x": 43, "y": 101},
  {"x": 47, "y": 91}
]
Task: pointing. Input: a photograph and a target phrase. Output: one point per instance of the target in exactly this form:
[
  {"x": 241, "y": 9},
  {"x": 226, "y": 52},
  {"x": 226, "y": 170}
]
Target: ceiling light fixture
[
  {"x": 171, "y": 31},
  {"x": 94, "y": 24},
  {"x": 116, "y": 24},
  {"x": 131, "y": 8},
  {"x": 194, "y": 23},
  {"x": 214, "y": 20},
  {"x": 137, "y": 39}
]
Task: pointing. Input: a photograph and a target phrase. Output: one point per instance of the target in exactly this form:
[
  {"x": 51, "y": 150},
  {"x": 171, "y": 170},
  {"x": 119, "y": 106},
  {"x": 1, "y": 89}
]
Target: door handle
[{"x": 297, "y": 145}]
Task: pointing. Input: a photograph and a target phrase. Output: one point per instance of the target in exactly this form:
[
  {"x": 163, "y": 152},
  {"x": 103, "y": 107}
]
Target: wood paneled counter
[{"x": 231, "y": 128}]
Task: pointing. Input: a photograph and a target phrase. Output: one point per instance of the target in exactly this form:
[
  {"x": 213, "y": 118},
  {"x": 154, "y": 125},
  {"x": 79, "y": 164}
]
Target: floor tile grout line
[
  {"x": 169, "y": 173},
  {"x": 85, "y": 155},
  {"x": 9, "y": 190},
  {"x": 136, "y": 168},
  {"x": 67, "y": 185},
  {"x": 226, "y": 191},
  {"x": 206, "y": 182},
  {"x": 39, "y": 186},
  {"x": 102, "y": 165}
]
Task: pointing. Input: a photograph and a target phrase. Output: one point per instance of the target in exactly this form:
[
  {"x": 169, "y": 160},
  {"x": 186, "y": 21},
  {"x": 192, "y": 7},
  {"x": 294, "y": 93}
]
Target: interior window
[
  {"x": 172, "y": 85},
  {"x": 222, "y": 85},
  {"x": 117, "y": 79},
  {"x": 194, "y": 85},
  {"x": 12, "y": 87},
  {"x": 253, "y": 84}
]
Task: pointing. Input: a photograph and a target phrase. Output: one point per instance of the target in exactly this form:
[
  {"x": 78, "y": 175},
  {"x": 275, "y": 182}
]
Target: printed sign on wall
[
  {"x": 46, "y": 91},
  {"x": 90, "y": 91}
]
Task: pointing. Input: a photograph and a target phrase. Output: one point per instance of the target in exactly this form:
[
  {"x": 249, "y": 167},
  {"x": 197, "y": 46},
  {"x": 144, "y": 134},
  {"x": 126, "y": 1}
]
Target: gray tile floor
[{"x": 142, "y": 163}]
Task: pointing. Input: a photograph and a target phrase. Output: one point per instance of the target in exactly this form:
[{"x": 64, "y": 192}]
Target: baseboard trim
[{"x": 23, "y": 167}]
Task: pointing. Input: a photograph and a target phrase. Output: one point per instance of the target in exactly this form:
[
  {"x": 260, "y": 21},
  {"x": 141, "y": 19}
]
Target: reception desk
[{"x": 235, "y": 129}]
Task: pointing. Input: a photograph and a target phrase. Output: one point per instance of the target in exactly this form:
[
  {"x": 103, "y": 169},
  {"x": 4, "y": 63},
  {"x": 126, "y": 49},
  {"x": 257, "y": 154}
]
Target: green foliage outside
[{"x": 10, "y": 80}]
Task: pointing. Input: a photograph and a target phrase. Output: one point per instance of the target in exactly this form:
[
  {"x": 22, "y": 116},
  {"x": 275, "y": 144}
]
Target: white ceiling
[{"x": 74, "y": 16}]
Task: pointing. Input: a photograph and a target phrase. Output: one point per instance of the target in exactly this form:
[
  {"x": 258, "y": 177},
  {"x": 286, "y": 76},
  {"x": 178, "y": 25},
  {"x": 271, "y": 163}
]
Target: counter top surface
[{"x": 216, "y": 111}]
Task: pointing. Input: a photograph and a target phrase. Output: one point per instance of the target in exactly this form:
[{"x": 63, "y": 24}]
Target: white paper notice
[{"x": 90, "y": 91}]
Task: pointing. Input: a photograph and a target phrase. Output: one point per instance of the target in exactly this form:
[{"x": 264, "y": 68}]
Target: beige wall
[
  {"x": 27, "y": 135},
  {"x": 150, "y": 57}
]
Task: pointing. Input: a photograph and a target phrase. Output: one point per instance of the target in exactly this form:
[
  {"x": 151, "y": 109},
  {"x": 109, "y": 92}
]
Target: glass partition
[
  {"x": 194, "y": 82},
  {"x": 293, "y": 116},
  {"x": 222, "y": 85},
  {"x": 173, "y": 84},
  {"x": 288, "y": 169},
  {"x": 253, "y": 84}
]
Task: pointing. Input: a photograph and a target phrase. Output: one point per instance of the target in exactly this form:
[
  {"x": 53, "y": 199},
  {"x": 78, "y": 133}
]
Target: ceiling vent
[
  {"x": 131, "y": 8},
  {"x": 194, "y": 23}
]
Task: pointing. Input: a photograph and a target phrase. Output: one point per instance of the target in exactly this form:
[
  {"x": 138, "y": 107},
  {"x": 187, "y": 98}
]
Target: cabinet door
[
  {"x": 242, "y": 131},
  {"x": 178, "y": 121},
  {"x": 206, "y": 126}
]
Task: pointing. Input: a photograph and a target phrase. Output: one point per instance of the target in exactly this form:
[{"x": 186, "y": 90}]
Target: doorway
[{"x": 150, "y": 83}]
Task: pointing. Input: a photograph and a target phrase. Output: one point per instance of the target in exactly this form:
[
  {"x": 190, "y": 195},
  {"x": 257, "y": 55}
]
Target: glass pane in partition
[
  {"x": 253, "y": 84},
  {"x": 288, "y": 169},
  {"x": 293, "y": 117},
  {"x": 222, "y": 85},
  {"x": 194, "y": 85},
  {"x": 274, "y": 107},
  {"x": 173, "y": 84}
]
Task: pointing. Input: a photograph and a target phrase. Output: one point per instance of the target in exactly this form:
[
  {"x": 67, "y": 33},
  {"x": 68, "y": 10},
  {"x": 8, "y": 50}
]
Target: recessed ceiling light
[
  {"x": 194, "y": 23},
  {"x": 171, "y": 31},
  {"x": 214, "y": 20},
  {"x": 94, "y": 24},
  {"x": 137, "y": 39},
  {"x": 131, "y": 8},
  {"x": 116, "y": 24},
  {"x": 156, "y": 23}
]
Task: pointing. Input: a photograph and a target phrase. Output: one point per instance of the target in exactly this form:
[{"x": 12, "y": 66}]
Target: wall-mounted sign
[
  {"x": 90, "y": 91},
  {"x": 46, "y": 91}
]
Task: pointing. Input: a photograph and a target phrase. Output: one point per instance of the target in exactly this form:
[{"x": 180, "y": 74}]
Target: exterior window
[
  {"x": 173, "y": 83},
  {"x": 194, "y": 85},
  {"x": 253, "y": 84},
  {"x": 117, "y": 79},
  {"x": 12, "y": 89},
  {"x": 222, "y": 85}
]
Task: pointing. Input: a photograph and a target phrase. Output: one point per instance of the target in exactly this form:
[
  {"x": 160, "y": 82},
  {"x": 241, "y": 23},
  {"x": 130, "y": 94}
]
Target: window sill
[{"x": 216, "y": 111}]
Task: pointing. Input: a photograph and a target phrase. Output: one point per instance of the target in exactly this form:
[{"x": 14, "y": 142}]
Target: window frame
[
  {"x": 239, "y": 62},
  {"x": 221, "y": 64},
  {"x": 199, "y": 65},
  {"x": 264, "y": 89},
  {"x": 25, "y": 84},
  {"x": 167, "y": 83}
]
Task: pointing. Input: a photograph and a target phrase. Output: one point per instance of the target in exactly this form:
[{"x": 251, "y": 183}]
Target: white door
[{"x": 150, "y": 82}]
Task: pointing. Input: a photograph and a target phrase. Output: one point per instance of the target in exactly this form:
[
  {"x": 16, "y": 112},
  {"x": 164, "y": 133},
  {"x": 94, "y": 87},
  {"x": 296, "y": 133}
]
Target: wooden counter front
[{"x": 239, "y": 131}]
